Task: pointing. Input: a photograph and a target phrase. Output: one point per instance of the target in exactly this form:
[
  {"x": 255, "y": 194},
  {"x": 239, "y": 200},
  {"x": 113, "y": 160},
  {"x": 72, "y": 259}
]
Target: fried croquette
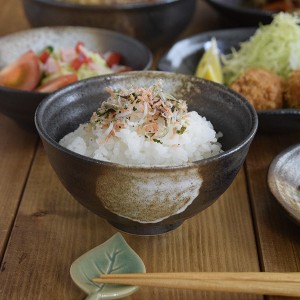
[
  {"x": 261, "y": 87},
  {"x": 292, "y": 90}
]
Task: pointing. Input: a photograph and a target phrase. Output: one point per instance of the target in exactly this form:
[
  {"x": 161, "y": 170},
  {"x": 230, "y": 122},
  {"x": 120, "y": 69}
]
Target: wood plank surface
[
  {"x": 43, "y": 229},
  {"x": 17, "y": 146},
  {"x": 17, "y": 149},
  {"x": 12, "y": 17},
  {"x": 278, "y": 236},
  {"x": 52, "y": 230}
]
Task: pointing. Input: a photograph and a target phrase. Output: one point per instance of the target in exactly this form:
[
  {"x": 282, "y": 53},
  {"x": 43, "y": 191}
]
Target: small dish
[
  {"x": 183, "y": 57},
  {"x": 113, "y": 256},
  {"x": 284, "y": 180}
]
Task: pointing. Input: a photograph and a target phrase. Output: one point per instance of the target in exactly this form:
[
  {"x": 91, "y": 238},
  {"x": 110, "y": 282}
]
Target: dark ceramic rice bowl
[{"x": 93, "y": 182}]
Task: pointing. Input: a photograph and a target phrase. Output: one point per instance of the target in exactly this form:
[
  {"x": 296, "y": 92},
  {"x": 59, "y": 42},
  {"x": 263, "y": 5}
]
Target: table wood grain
[{"x": 43, "y": 229}]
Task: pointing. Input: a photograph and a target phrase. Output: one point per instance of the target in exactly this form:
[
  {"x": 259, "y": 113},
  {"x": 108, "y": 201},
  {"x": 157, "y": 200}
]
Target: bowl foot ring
[{"x": 149, "y": 229}]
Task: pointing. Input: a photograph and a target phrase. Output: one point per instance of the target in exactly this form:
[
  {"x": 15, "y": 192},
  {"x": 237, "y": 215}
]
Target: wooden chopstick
[{"x": 263, "y": 283}]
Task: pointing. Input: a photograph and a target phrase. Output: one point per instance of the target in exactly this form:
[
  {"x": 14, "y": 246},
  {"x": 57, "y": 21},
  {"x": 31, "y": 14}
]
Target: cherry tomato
[{"x": 113, "y": 58}]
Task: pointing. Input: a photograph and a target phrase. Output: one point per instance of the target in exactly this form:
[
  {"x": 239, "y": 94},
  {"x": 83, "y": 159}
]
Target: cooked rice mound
[{"x": 144, "y": 126}]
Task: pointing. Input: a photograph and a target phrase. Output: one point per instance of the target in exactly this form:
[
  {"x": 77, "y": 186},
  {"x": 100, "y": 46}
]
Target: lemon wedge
[{"x": 209, "y": 66}]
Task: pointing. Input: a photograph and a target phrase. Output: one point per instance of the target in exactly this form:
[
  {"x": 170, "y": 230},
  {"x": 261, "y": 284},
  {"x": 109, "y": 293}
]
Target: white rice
[{"x": 197, "y": 142}]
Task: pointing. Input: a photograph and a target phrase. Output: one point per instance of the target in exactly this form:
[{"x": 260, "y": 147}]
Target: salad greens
[{"x": 275, "y": 46}]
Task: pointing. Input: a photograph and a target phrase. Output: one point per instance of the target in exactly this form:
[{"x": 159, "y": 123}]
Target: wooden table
[{"x": 43, "y": 229}]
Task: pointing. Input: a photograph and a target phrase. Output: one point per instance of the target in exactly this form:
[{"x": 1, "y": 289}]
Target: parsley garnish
[
  {"x": 182, "y": 130},
  {"x": 157, "y": 141}
]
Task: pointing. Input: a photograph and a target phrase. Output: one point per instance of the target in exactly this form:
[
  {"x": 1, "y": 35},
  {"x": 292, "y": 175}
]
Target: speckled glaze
[
  {"x": 147, "y": 200},
  {"x": 148, "y": 197},
  {"x": 21, "y": 105},
  {"x": 154, "y": 24}
]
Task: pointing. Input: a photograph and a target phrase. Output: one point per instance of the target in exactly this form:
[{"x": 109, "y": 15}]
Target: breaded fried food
[
  {"x": 261, "y": 87},
  {"x": 292, "y": 90}
]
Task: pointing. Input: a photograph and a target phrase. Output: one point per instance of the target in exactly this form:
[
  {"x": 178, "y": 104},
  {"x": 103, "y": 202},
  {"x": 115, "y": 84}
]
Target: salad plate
[{"x": 183, "y": 57}]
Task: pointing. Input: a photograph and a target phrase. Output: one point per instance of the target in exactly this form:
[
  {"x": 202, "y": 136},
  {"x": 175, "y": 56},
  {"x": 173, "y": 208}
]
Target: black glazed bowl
[
  {"x": 21, "y": 105},
  {"x": 122, "y": 194},
  {"x": 241, "y": 12},
  {"x": 154, "y": 23}
]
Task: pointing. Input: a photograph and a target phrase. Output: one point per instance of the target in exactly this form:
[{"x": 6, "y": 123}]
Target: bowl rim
[
  {"x": 106, "y": 32},
  {"x": 105, "y": 7},
  {"x": 44, "y": 135},
  {"x": 22, "y": 92}
]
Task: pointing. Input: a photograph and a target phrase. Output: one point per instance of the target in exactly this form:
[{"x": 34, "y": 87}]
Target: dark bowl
[
  {"x": 241, "y": 12},
  {"x": 184, "y": 55},
  {"x": 111, "y": 190},
  {"x": 21, "y": 105},
  {"x": 152, "y": 23}
]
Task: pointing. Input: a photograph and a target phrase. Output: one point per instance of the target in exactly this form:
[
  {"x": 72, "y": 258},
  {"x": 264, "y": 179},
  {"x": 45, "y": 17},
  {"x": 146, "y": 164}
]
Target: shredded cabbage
[
  {"x": 100, "y": 67},
  {"x": 275, "y": 46}
]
